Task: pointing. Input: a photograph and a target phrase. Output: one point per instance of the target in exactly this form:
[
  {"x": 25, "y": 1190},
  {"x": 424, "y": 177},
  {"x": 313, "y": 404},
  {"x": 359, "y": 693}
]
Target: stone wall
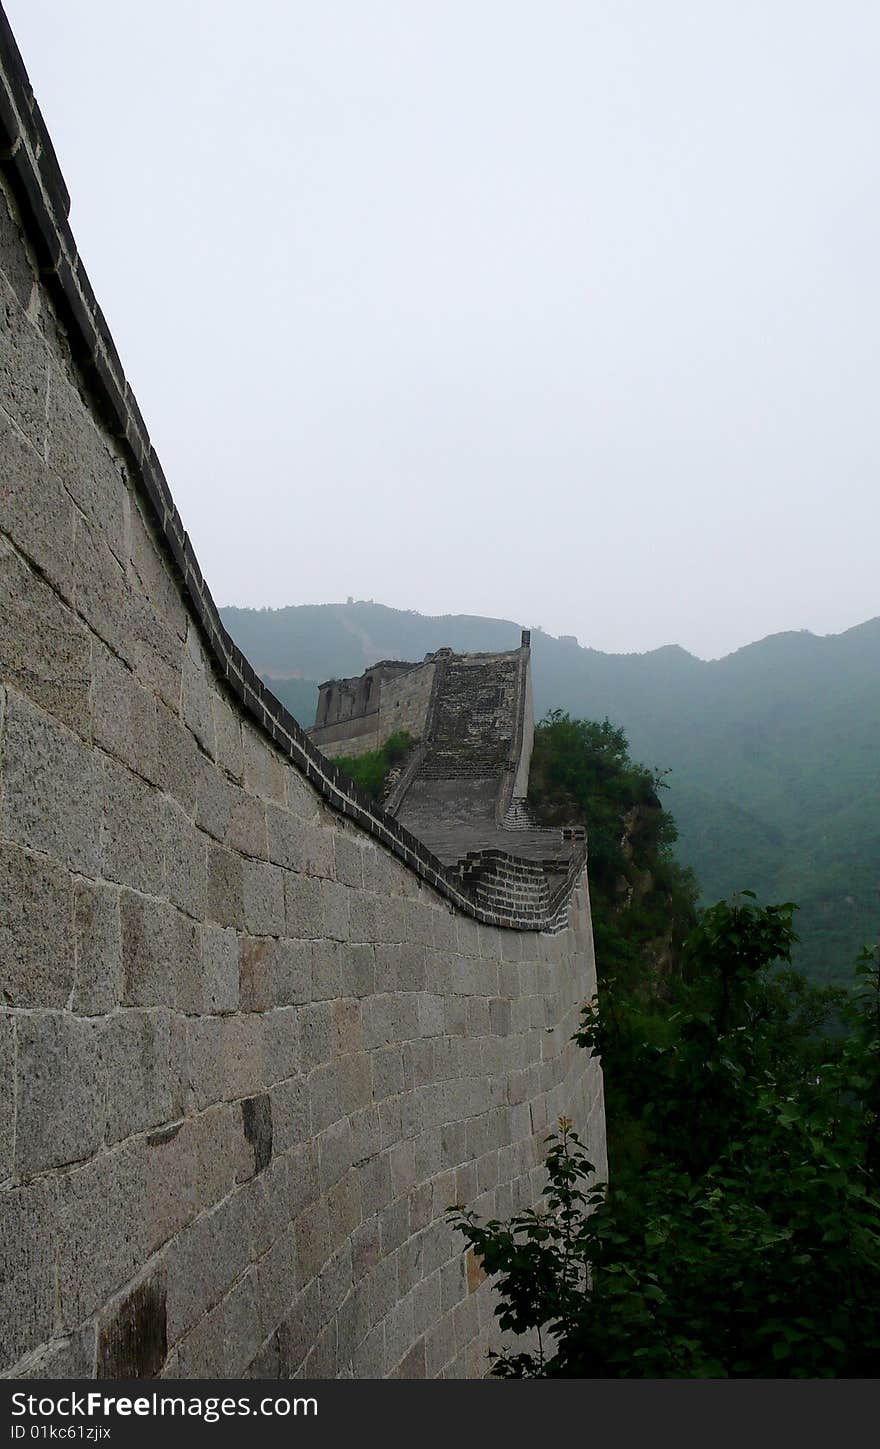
[
  {"x": 399, "y": 701},
  {"x": 254, "y": 1038}
]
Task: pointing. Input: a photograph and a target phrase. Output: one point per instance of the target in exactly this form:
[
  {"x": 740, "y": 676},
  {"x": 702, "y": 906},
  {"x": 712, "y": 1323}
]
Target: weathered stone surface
[
  {"x": 304, "y": 907},
  {"x": 262, "y": 892},
  {"x": 15, "y": 259},
  {"x": 264, "y": 771},
  {"x": 36, "y": 929},
  {"x": 134, "y": 830},
  {"x": 186, "y": 862},
  {"x": 98, "y": 943},
  {"x": 220, "y": 969},
  {"x": 24, "y": 369},
  {"x": 44, "y": 535},
  {"x": 51, "y": 788},
  {"x": 133, "y": 1336},
  {"x": 83, "y": 461},
  {"x": 44, "y": 649},
  {"x": 124, "y": 715},
  {"x": 137, "y": 1052},
  {"x": 197, "y": 708},
  {"x": 7, "y": 1094},
  {"x": 225, "y": 887},
  {"x": 63, "y": 1358},
  {"x": 27, "y": 1252},
  {"x": 178, "y": 760},
  {"x": 60, "y": 1090},
  {"x": 160, "y": 955},
  {"x": 227, "y": 729}
]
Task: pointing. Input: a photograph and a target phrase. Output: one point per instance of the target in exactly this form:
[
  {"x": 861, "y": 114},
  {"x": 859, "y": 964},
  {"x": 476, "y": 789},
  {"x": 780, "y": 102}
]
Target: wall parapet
[{"x": 28, "y": 159}]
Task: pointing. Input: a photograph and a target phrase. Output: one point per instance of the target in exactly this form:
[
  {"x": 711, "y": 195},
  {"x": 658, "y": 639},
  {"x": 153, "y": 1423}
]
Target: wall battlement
[{"x": 256, "y": 1034}]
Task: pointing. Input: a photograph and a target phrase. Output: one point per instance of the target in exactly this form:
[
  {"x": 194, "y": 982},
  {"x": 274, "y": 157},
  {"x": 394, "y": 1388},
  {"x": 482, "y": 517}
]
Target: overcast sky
[{"x": 563, "y": 311}]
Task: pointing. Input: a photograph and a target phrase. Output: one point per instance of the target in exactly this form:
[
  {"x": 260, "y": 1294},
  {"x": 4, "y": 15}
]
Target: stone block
[
  {"x": 103, "y": 590},
  {"x": 376, "y": 1189},
  {"x": 79, "y": 455},
  {"x": 24, "y": 369},
  {"x": 186, "y": 862},
  {"x": 225, "y": 887},
  {"x": 368, "y": 1359},
  {"x": 220, "y": 969},
  {"x": 348, "y": 859},
  {"x": 227, "y": 1058},
  {"x": 337, "y": 922},
  {"x": 326, "y": 1089},
  {"x": 265, "y": 773},
  {"x": 150, "y": 568},
  {"x": 60, "y": 1090},
  {"x": 326, "y": 970},
  {"x": 349, "y": 1036},
  {"x": 7, "y": 1095},
  {"x": 291, "y": 1113},
  {"x": 99, "y": 1250},
  {"x": 15, "y": 258},
  {"x": 383, "y": 1288},
  {"x": 124, "y": 715},
  {"x": 197, "y": 690},
  {"x": 178, "y": 761},
  {"x": 359, "y": 970},
  {"x": 365, "y": 1134},
  {"x": 334, "y": 1282},
  {"x": 274, "y": 972},
  {"x": 27, "y": 1283},
  {"x": 154, "y": 649},
  {"x": 137, "y": 1056},
  {"x": 98, "y": 949},
  {"x": 304, "y": 907},
  {"x": 432, "y": 1015},
  {"x": 354, "y": 1081},
  {"x": 282, "y": 1053},
  {"x": 51, "y": 789},
  {"x": 398, "y": 1333},
  {"x": 344, "y": 1208},
  {"x": 36, "y": 930},
  {"x": 203, "y": 1263},
  {"x": 161, "y": 964},
  {"x": 63, "y": 1358},
  {"x": 334, "y": 1153},
  {"x": 312, "y": 1242},
  {"x": 402, "y": 968},
  {"x": 134, "y": 831},
  {"x": 262, "y": 898},
  {"x": 246, "y": 828},
  {"x": 387, "y": 1072},
  {"x": 45, "y": 534},
  {"x": 133, "y": 1332},
  {"x": 227, "y": 729},
  {"x": 256, "y": 1114},
  {"x": 276, "y": 1280}
]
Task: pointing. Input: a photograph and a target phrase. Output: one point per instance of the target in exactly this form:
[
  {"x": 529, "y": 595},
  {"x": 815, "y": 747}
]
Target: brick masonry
[{"x": 254, "y": 1037}]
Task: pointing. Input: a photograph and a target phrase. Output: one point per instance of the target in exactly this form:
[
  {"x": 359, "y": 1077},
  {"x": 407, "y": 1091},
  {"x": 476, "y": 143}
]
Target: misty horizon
[{"x": 571, "y": 318}]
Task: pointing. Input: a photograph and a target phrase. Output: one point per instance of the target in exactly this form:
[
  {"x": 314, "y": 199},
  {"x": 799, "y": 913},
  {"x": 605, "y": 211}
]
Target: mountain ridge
[{"x": 775, "y": 771}]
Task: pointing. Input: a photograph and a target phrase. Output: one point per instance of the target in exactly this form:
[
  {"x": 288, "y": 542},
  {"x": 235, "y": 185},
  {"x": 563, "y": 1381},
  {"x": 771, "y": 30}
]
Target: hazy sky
[{"x": 566, "y": 312}]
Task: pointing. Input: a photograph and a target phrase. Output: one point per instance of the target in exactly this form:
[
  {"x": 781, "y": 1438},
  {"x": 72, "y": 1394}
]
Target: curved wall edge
[{"x": 30, "y": 163}]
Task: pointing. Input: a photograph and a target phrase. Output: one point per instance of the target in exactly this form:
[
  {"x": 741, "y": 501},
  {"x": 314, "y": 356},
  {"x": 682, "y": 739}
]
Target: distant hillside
[{"x": 774, "y": 752}]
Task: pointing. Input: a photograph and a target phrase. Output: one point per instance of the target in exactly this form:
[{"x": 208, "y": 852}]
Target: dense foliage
[
  {"x": 740, "y": 1233},
  {"x": 371, "y": 770}
]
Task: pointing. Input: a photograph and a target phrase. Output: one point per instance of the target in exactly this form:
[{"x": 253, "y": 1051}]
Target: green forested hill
[{"x": 774, "y": 751}]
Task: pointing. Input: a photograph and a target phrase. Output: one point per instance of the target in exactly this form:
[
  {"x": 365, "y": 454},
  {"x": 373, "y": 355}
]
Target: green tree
[{"x": 748, "y": 1244}]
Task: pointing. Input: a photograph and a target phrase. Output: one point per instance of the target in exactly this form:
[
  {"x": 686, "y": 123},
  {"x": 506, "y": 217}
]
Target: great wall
[{"x": 257, "y": 1033}]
